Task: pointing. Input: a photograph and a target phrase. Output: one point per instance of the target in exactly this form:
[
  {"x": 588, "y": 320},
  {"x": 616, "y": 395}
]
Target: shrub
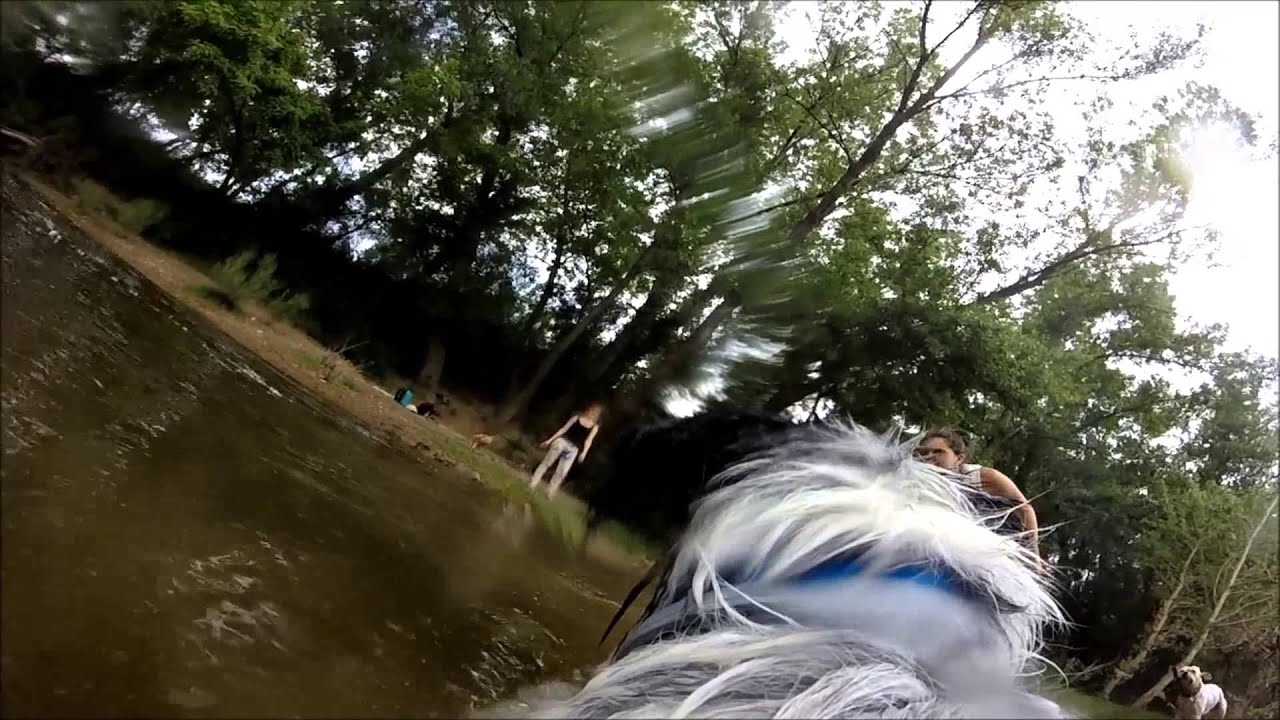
[
  {"x": 247, "y": 276},
  {"x": 134, "y": 215},
  {"x": 140, "y": 214},
  {"x": 90, "y": 195}
]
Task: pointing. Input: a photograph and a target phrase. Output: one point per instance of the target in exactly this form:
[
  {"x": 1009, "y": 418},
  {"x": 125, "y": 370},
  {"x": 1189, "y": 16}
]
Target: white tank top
[{"x": 973, "y": 473}]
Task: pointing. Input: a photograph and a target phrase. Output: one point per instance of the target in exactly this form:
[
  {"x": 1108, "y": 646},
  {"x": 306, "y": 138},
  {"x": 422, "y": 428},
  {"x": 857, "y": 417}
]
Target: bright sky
[
  {"x": 1237, "y": 194},
  {"x": 1234, "y": 191}
]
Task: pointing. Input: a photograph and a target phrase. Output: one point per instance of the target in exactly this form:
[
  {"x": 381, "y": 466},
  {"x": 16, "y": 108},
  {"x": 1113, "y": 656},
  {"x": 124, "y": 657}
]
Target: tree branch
[
  {"x": 831, "y": 132},
  {"x": 922, "y": 59},
  {"x": 778, "y": 206},
  {"x": 574, "y": 27},
  {"x": 965, "y": 92},
  {"x": 977, "y": 6},
  {"x": 1061, "y": 264}
]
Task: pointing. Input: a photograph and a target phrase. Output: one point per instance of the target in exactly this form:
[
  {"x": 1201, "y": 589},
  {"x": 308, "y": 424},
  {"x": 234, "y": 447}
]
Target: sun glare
[
  {"x": 1225, "y": 192},
  {"x": 1239, "y": 196}
]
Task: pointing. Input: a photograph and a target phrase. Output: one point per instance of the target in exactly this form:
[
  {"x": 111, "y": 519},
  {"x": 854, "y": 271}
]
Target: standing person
[
  {"x": 572, "y": 441},
  {"x": 948, "y": 450}
]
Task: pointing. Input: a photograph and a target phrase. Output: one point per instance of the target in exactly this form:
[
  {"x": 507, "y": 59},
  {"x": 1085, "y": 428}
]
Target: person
[
  {"x": 948, "y": 450},
  {"x": 572, "y": 441}
]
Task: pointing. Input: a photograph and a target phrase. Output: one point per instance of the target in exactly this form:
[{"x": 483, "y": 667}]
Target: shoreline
[{"x": 300, "y": 358}]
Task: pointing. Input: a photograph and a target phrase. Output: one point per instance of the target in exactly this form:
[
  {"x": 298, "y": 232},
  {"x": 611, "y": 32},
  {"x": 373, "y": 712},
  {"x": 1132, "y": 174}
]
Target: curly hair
[{"x": 954, "y": 439}]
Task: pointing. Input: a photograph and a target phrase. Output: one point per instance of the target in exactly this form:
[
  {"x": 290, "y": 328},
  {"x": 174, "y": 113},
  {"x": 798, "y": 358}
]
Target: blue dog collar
[
  {"x": 844, "y": 568},
  {"x": 681, "y": 616}
]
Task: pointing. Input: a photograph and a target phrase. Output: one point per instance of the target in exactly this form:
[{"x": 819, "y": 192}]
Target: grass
[
  {"x": 1096, "y": 707},
  {"x": 564, "y": 514},
  {"x": 248, "y": 276},
  {"x": 215, "y": 295},
  {"x": 134, "y": 215},
  {"x": 308, "y": 360}
]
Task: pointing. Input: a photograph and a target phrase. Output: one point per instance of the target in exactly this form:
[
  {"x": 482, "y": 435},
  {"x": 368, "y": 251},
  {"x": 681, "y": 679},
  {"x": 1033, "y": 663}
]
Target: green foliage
[
  {"x": 136, "y": 215},
  {"x": 248, "y": 276},
  {"x": 227, "y": 70}
]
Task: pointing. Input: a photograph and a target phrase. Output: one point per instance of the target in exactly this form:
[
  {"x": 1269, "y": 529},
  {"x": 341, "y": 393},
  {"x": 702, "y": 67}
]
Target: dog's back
[{"x": 827, "y": 575}]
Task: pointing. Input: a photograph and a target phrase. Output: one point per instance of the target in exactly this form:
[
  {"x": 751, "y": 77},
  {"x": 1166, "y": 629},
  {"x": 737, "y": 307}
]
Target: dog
[
  {"x": 663, "y": 469},
  {"x": 480, "y": 439},
  {"x": 830, "y": 575},
  {"x": 1197, "y": 697}
]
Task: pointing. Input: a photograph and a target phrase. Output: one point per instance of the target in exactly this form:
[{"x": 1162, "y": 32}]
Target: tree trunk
[
  {"x": 525, "y": 335},
  {"x": 483, "y": 213},
  {"x": 638, "y": 337},
  {"x": 432, "y": 369},
  {"x": 1125, "y": 669},
  {"x": 1205, "y": 629},
  {"x": 515, "y": 405},
  {"x": 679, "y": 358},
  {"x": 548, "y": 289}
]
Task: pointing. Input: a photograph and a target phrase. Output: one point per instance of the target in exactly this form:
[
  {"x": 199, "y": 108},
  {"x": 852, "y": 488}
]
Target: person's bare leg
[{"x": 553, "y": 452}]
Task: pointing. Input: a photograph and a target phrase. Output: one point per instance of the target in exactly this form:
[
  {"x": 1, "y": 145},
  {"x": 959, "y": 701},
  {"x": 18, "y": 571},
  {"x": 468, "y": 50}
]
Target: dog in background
[
  {"x": 829, "y": 575},
  {"x": 480, "y": 439},
  {"x": 1197, "y": 697}
]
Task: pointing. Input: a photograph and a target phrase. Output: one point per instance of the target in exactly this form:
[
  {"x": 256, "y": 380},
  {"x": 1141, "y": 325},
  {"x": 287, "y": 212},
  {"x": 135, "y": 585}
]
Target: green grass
[
  {"x": 217, "y": 296},
  {"x": 136, "y": 215},
  {"x": 250, "y": 276},
  {"x": 1095, "y": 707},
  {"x": 308, "y": 360}
]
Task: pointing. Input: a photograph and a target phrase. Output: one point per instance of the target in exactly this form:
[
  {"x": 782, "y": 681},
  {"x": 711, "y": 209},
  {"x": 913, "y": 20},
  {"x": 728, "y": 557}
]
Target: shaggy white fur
[{"x": 791, "y": 596}]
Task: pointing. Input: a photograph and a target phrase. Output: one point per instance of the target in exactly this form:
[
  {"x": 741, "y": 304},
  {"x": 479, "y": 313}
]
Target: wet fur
[{"x": 861, "y": 646}]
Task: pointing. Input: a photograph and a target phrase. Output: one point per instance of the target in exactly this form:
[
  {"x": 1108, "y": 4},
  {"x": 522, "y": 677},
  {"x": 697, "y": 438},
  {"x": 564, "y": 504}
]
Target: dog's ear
[{"x": 1173, "y": 670}]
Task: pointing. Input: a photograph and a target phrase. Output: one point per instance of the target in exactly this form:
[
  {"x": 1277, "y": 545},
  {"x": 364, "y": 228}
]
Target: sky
[{"x": 1235, "y": 192}]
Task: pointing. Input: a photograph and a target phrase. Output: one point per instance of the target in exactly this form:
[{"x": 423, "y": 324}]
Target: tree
[
  {"x": 1222, "y": 591},
  {"x": 230, "y": 69}
]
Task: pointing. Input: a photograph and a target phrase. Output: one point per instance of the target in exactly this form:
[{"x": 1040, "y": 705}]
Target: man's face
[{"x": 936, "y": 452}]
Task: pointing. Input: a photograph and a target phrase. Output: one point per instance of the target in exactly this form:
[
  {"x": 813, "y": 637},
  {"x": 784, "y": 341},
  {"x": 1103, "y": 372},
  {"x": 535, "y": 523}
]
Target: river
[{"x": 187, "y": 533}]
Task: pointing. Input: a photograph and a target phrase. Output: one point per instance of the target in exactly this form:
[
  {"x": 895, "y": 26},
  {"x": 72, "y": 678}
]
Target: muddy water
[{"x": 186, "y": 534}]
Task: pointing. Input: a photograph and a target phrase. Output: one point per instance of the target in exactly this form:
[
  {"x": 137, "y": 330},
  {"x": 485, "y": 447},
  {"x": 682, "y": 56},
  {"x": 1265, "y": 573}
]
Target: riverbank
[{"x": 328, "y": 376}]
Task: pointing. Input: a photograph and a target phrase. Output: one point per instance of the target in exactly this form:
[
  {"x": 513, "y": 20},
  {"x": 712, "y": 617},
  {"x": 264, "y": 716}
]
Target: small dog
[
  {"x": 1197, "y": 698},
  {"x": 480, "y": 439},
  {"x": 829, "y": 575}
]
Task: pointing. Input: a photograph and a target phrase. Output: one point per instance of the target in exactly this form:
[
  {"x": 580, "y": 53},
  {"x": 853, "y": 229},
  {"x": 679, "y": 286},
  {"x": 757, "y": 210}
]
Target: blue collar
[
  {"x": 843, "y": 567},
  {"x": 678, "y": 615}
]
